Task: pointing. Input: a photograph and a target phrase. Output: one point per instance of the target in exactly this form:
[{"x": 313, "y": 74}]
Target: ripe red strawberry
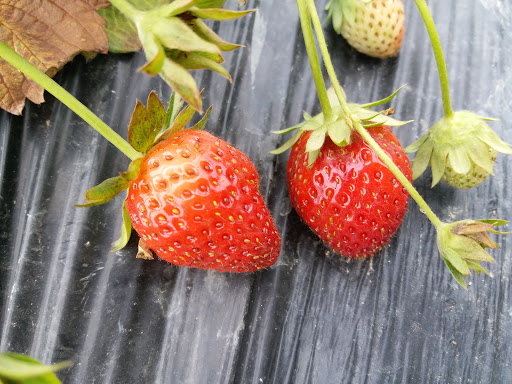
[
  {"x": 196, "y": 203},
  {"x": 375, "y": 28},
  {"x": 348, "y": 197}
]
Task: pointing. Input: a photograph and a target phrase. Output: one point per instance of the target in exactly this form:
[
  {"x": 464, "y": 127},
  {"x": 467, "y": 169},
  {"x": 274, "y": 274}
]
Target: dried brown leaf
[{"x": 48, "y": 33}]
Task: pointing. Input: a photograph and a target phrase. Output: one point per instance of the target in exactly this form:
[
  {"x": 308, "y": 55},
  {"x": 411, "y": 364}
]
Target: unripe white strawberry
[{"x": 373, "y": 27}]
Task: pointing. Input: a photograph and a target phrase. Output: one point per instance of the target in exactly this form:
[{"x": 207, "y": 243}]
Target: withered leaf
[{"x": 48, "y": 33}]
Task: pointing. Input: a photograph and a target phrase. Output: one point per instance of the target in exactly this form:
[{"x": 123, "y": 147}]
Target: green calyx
[
  {"x": 462, "y": 246},
  {"x": 461, "y": 149},
  {"x": 339, "y": 126},
  {"x": 148, "y": 126},
  {"x": 341, "y": 11},
  {"x": 175, "y": 40}
]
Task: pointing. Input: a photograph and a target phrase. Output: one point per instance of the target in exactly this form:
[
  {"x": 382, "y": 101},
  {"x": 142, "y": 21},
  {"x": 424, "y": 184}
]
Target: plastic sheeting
[{"x": 311, "y": 318}]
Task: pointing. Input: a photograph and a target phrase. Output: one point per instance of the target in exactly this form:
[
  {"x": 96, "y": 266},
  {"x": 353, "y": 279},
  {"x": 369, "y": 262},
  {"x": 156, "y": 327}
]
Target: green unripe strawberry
[
  {"x": 461, "y": 149},
  {"x": 373, "y": 27}
]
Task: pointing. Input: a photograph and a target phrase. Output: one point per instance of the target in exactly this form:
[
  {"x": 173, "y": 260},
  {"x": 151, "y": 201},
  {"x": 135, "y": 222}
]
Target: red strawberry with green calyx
[
  {"x": 373, "y": 27},
  {"x": 339, "y": 186},
  {"x": 460, "y": 148},
  {"x": 192, "y": 198}
]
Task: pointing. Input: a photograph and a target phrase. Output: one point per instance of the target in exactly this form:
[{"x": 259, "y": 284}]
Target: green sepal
[
  {"x": 437, "y": 162},
  {"x": 411, "y": 148},
  {"x": 173, "y": 33},
  {"x": 126, "y": 230},
  {"x": 462, "y": 246},
  {"x": 493, "y": 140},
  {"x": 380, "y": 118},
  {"x": 19, "y": 368},
  {"x": 219, "y": 13},
  {"x": 110, "y": 188},
  {"x": 157, "y": 53},
  {"x": 201, "y": 123},
  {"x": 383, "y": 101},
  {"x": 316, "y": 139},
  {"x": 176, "y": 7},
  {"x": 478, "y": 153},
  {"x": 146, "y": 123},
  {"x": 422, "y": 160},
  {"x": 182, "y": 82},
  {"x": 459, "y": 159},
  {"x": 178, "y": 124},
  {"x": 459, "y": 277},
  {"x": 203, "y": 31},
  {"x": 289, "y": 143},
  {"x": 173, "y": 108},
  {"x": 339, "y": 132},
  {"x": 210, "y": 3},
  {"x": 193, "y": 61}
]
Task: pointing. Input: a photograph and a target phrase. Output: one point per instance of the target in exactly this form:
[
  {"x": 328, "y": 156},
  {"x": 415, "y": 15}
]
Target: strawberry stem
[
  {"x": 67, "y": 99},
  {"x": 424, "y": 207},
  {"x": 314, "y": 62},
  {"x": 438, "y": 54}
]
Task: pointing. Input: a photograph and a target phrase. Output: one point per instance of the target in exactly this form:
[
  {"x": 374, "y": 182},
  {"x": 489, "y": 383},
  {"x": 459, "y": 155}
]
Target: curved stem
[
  {"x": 361, "y": 130},
  {"x": 438, "y": 53},
  {"x": 309, "y": 40},
  {"x": 68, "y": 99}
]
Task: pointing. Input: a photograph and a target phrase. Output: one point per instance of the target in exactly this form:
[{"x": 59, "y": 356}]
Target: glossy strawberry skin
[
  {"x": 349, "y": 198},
  {"x": 196, "y": 203}
]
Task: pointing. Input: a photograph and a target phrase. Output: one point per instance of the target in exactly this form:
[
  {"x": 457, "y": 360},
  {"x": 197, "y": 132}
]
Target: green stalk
[
  {"x": 67, "y": 99},
  {"x": 309, "y": 40},
  {"x": 438, "y": 53},
  {"x": 357, "y": 124}
]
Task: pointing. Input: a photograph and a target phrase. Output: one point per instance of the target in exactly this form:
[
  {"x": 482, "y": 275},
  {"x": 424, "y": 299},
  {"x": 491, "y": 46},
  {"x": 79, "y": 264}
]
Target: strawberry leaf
[
  {"x": 145, "y": 124},
  {"x": 48, "y": 34}
]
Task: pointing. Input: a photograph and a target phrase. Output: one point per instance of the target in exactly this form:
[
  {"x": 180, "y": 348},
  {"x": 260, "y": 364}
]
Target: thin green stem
[
  {"x": 68, "y": 99},
  {"x": 360, "y": 129},
  {"x": 438, "y": 54},
  {"x": 325, "y": 54},
  {"x": 309, "y": 40}
]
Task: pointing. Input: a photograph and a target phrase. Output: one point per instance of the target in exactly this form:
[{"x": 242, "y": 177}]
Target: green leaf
[
  {"x": 145, "y": 124},
  {"x": 126, "y": 230},
  {"x": 121, "y": 32},
  {"x": 16, "y": 367},
  {"x": 219, "y": 13},
  {"x": 204, "y": 32}
]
